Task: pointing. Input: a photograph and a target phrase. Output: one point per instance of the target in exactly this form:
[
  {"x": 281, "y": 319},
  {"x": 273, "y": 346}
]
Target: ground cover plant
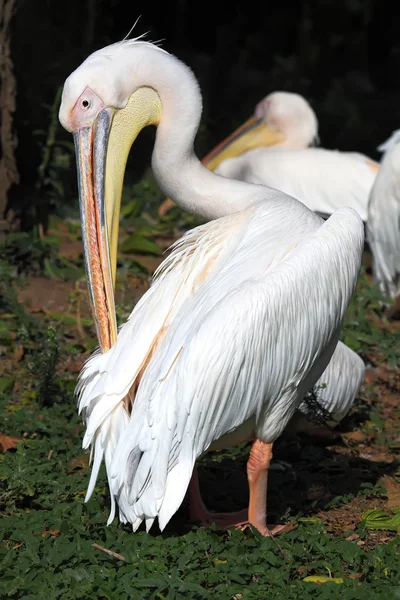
[{"x": 341, "y": 492}]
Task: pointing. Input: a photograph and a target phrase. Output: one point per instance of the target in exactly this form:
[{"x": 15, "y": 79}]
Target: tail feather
[
  {"x": 100, "y": 411},
  {"x": 145, "y": 481},
  {"x": 98, "y": 457},
  {"x": 107, "y": 379},
  {"x": 177, "y": 483},
  {"x": 104, "y": 443}
]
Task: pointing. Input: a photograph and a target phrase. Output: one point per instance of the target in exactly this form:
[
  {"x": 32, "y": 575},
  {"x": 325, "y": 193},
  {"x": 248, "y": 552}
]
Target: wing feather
[
  {"x": 105, "y": 384},
  {"x": 246, "y": 357}
]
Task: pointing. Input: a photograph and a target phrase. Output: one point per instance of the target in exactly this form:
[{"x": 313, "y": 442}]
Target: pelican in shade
[{"x": 241, "y": 319}]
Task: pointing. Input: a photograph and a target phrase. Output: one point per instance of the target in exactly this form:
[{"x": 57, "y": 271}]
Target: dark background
[{"x": 342, "y": 55}]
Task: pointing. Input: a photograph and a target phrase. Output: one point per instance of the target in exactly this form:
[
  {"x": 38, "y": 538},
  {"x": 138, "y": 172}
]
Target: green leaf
[
  {"x": 379, "y": 520},
  {"x": 132, "y": 209},
  {"x": 139, "y": 243},
  {"x": 310, "y": 520},
  {"x": 323, "y": 579},
  {"x": 69, "y": 319},
  {"x": 145, "y": 230},
  {"x": 6, "y": 384},
  {"x": 50, "y": 270}
]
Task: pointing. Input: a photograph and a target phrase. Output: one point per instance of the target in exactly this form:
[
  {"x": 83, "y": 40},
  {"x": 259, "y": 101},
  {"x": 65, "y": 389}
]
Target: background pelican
[
  {"x": 242, "y": 317},
  {"x": 281, "y": 119},
  {"x": 383, "y": 224},
  {"x": 271, "y": 149}
]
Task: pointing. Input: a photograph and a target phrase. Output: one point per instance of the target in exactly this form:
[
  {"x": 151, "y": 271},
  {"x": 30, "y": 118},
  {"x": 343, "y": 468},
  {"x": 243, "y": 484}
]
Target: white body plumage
[
  {"x": 237, "y": 334},
  {"x": 243, "y": 316},
  {"x": 383, "y": 224},
  {"x": 324, "y": 180}
]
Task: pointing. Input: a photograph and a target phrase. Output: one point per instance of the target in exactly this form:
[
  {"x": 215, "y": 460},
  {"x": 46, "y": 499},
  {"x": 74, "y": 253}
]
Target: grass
[{"x": 341, "y": 495}]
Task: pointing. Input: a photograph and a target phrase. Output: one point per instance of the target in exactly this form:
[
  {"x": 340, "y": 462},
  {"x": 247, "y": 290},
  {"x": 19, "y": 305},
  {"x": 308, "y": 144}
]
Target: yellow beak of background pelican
[{"x": 252, "y": 134}]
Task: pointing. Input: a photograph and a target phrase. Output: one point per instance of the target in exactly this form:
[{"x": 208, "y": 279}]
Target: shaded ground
[{"x": 326, "y": 486}]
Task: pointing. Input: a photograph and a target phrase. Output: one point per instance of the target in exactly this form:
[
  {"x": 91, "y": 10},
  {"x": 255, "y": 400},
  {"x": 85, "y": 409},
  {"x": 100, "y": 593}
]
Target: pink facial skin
[
  {"x": 86, "y": 109},
  {"x": 261, "y": 109}
]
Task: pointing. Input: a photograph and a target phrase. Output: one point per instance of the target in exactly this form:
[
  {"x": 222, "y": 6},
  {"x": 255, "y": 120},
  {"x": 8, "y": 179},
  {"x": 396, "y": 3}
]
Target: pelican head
[
  {"x": 105, "y": 107},
  {"x": 282, "y": 119}
]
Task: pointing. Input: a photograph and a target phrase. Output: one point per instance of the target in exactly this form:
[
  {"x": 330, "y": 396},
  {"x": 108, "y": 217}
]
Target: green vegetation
[
  {"x": 342, "y": 497},
  {"x": 341, "y": 494}
]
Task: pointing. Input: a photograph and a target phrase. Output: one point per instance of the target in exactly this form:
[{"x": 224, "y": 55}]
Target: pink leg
[
  {"x": 257, "y": 475},
  {"x": 198, "y": 511},
  {"x": 256, "y": 515}
]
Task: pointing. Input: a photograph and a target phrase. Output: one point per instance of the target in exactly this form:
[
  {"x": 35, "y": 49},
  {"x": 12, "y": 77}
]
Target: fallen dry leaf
[
  {"x": 53, "y": 532},
  {"x": 375, "y": 374},
  {"x": 353, "y": 537},
  {"x": 17, "y": 546},
  {"x": 393, "y": 491},
  {"x": 354, "y": 436},
  {"x": 8, "y": 442},
  {"x": 75, "y": 431},
  {"x": 82, "y": 462},
  {"x": 391, "y": 400},
  {"x": 381, "y": 457}
]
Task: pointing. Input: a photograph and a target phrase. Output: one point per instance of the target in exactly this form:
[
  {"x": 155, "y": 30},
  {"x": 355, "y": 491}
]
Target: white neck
[{"x": 178, "y": 171}]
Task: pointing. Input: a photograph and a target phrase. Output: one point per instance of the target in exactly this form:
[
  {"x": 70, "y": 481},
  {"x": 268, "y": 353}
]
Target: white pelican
[
  {"x": 241, "y": 319},
  {"x": 286, "y": 120},
  {"x": 281, "y": 119},
  {"x": 383, "y": 224},
  {"x": 274, "y": 152}
]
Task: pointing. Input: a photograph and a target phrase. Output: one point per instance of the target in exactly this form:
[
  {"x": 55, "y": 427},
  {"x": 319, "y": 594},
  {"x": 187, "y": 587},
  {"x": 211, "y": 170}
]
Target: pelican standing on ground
[
  {"x": 286, "y": 120},
  {"x": 383, "y": 224},
  {"x": 242, "y": 317},
  {"x": 271, "y": 149}
]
